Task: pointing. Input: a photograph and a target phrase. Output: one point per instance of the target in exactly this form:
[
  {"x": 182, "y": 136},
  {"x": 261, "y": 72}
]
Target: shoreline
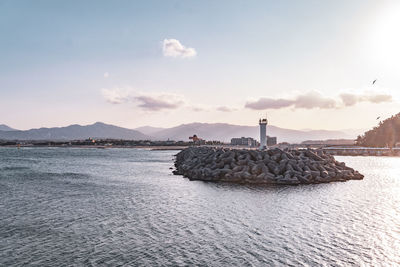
[
  {"x": 334, "y": 151},
  {"x": 101, "y": 147}
]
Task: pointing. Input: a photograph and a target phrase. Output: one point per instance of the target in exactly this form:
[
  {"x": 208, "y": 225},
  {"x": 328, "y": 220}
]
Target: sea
[{"x": 124, "y": 207}]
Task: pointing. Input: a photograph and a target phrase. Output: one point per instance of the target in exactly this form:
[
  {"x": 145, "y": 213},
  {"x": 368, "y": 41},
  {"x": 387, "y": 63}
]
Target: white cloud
[
  {"x": 148, "y": 102},
  {"x": 269, "y": 103},
  {"x": 174, "y": 48},
  {"x": 310, "y": 100},
  {"x": 350, "y": 99},
  {"x": 225, "y": 109},
  {"x": 314, "y": 99},
  {"x": 197, "y": 108},
  {"x": 380, "y": 98},
  {"x": 116, "y": 95},
  {"x": 159, "y": 102}
]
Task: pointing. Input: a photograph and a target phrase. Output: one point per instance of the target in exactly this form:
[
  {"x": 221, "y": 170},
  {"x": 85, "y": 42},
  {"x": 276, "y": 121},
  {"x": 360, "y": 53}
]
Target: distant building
[
  {"x": 271, "y": 140},
  {"x": 244, "y": 141}
]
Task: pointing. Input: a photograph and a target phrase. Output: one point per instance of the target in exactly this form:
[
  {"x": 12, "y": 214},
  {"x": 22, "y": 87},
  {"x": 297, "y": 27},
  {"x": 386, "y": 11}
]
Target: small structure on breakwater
[
  {"x": 263, "y": 133},
  {"x": 273, "y": 166},
  {"x": 265, "y": 140}
]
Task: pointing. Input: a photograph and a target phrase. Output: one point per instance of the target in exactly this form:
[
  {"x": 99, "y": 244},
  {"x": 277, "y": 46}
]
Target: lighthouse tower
[{"x": 263, "y": 133}]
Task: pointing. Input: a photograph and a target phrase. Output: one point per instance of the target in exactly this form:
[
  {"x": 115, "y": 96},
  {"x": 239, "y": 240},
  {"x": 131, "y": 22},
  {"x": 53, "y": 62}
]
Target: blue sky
[{"x": 309, "y": 64}]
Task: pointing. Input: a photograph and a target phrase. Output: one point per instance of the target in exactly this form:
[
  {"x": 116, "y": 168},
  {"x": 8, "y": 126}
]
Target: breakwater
[{"x": 273, "y": 166}]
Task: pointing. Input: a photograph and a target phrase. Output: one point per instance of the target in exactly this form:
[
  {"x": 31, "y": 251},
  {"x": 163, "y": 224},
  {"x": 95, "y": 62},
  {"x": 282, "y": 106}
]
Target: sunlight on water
[{"x": 123, "y": 206}]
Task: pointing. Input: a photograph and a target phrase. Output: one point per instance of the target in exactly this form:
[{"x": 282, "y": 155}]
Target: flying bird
[
  {"x": 374, "y": 82},
  {"x": 378, "y": 118}
]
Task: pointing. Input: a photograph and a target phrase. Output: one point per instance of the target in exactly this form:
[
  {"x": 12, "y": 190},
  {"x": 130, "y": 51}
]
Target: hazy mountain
[
  {"x": 4, "y": 127},
  {"x": 74, "y": 132},
  {"x": 224, "y": 132},
  {"x": 354, "y": 132},
  {"x": 208, "y": 131},
  {"x": 149, "y": 130}
]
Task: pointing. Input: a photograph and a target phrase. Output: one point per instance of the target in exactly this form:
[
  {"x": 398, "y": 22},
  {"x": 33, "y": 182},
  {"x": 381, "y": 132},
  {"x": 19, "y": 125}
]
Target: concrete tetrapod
[{"x": 273, "y": 166}]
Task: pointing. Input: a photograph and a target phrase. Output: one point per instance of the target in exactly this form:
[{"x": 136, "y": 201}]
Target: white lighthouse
[{"x": 263, "y": 133}]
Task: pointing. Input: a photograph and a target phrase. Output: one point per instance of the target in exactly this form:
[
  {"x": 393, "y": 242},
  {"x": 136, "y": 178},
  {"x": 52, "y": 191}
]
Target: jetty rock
[{"x": 272, "y": 166}]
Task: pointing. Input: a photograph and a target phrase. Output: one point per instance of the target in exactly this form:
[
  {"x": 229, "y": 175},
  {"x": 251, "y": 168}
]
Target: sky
[{"x": 306, "y": 64}]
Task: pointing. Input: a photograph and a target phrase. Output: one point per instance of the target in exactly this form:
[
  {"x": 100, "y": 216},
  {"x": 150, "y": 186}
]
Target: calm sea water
[{"x": 62, "y": 207}]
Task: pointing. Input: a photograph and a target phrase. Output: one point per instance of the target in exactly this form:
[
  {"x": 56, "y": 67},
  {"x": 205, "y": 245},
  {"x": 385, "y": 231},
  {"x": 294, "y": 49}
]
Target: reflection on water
[{"x": 123, "y": 206}]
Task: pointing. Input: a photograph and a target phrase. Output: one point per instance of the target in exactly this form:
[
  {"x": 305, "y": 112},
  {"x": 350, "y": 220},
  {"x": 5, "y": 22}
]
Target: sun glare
[{"x": 386, "y": 38}]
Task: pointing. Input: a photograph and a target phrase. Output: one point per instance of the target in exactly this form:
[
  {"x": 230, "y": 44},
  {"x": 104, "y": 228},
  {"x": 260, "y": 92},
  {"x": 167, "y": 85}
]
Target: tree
[{"x": 386, "y": 134}]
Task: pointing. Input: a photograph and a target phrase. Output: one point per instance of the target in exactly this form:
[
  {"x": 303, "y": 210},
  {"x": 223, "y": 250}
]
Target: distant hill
[
  {"x": 4, "y": 127},
  {"x": 74, "y": 132},
  {"x": 224, "y": 132},
  {"x": 209, "y": 131},
  {"x": 149, "y": 130},
  {"x": 387, "y": 133}
]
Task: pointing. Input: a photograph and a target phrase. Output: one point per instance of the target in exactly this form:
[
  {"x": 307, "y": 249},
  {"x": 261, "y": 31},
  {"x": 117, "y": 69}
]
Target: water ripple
[{"x": 63, "y": 207}]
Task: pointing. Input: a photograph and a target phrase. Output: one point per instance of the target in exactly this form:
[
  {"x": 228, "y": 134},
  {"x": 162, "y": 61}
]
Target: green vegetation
[{"x": 387, "y": 134}]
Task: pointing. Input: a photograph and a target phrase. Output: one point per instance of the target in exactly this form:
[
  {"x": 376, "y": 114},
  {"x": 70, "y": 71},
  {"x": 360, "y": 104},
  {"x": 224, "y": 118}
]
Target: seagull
[
  {"x": 374, "y": 82},
  {"x": 378, "y": 118}
]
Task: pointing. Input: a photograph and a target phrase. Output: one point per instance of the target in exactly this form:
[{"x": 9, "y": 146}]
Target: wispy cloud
[
  {"x": 225, "y": 109},
  {"x": 376, "y": 98},
  {"x": 159, "y": 102},
  {"x": 308, "y": 100},
  {"x": 147, "y": 102},
  {"x": 197, "y": 108},
  {"x": 116, "y": 95},
  {"x": 268, "y": 103},
  {"x": 315, "y": 99},
  {"x": 174, "y": 48}
]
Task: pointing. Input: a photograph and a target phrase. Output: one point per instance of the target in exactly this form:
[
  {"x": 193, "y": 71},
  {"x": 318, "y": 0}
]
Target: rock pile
[{"x": 273, "y": 166}]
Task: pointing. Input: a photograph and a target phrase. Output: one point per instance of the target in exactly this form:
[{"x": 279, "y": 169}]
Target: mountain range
[
  {"x": 209, "y": 131},
  {"x": 74, "y": 132},
  {"x": 4, "y": 127},
  {"x": 224, "y": 132}
]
